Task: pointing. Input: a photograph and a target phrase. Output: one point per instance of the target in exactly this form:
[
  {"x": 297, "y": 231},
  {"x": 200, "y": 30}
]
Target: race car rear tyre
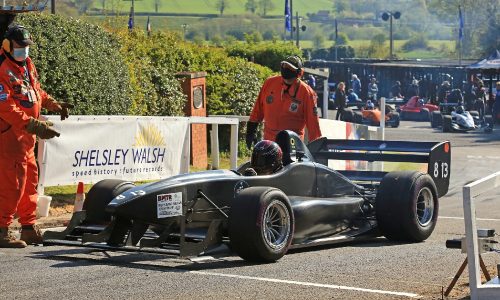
[
  {"x": 261, "y": 224},
  {"x": 358, "y": 117},
  {"x": 402, "y": 115},
  {"x": 99, "y": 197},
  {"x": 407, "y": 206},
  {"x": 474, "y": 113},
  {"x": 395, "y": 119},
  {"x": 347, "y": 115},
  {"x": 436, "y": 119},
  {"x": 424, "y": 115},
  {"x": 447, "y": 121}
]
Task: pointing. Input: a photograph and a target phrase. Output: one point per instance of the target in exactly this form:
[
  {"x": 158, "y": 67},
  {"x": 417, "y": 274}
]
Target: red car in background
[{"x": 416, "y": 109}]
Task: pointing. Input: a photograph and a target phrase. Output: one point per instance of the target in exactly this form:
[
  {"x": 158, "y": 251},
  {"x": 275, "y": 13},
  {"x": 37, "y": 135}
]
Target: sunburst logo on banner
[{"x": 149, "y": 135}]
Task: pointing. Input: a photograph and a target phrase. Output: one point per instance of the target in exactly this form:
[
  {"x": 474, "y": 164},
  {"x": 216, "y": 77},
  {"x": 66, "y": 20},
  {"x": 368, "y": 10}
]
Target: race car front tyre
[
  {"x": 99, "y": 197},
  {"x": 474, "y": 113},
  {"x": 407, "y": 206},
  {"x": 261, "y": 224}
]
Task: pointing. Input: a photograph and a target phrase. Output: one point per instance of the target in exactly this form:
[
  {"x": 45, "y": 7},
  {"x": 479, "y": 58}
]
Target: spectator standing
[
  {"x": 424, "y": 87},
  {"x": 340, "y": 99},
  {"x": 496, "y": 105},
  {"x": 480, "y": 103},
  {"x": 356, "y": 84},
  {"x": 21, "y": 101},
  {"x": 285, "y": 102},
  {"x": 396, "y": 90},
  {"x": 413, "y": 89},
  {"x": 373, "y": 89},
  {"x": 469, "y": 94},
  {"x": 443, "y": 91}
]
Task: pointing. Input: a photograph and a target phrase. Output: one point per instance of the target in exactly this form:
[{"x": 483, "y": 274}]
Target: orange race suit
[
  {"x": 20, "y": 98},
  {"x": 286, "y": 107}
]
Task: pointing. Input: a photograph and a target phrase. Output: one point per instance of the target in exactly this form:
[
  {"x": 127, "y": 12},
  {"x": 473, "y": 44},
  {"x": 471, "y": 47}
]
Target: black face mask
[{"x": 288, "y": 74}]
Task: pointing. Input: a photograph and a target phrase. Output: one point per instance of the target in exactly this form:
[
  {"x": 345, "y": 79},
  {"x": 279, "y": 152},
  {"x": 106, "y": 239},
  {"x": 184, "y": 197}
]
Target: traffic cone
[{"x": 79, "y": 198}]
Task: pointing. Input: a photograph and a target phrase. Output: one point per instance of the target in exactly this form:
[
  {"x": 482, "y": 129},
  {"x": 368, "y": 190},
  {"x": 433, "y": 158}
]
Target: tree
[
  {"x": 253, "y": 37},
  {"x": 479, "y": 19},
  {"x": 340, "y": 6},
  {"x": 318, "y": 41},
  {"x": 221, "y": 5},
  {"x": 266, "y": 6},
  {"x": 157, "y": 5},
  {"x": 251, "y": 6},
  {"x": 83, "y": 5}
]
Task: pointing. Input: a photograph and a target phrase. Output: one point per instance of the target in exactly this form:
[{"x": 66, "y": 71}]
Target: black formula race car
[{"x": 304, "y": 204}]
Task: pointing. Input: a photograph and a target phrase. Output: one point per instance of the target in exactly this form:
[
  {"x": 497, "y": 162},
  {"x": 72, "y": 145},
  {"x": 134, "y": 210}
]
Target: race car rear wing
[{"x": 437, "y": 156}]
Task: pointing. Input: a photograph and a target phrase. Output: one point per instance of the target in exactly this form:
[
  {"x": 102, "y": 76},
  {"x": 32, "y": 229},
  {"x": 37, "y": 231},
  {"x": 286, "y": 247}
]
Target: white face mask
[{"x": 20, "y": 54}]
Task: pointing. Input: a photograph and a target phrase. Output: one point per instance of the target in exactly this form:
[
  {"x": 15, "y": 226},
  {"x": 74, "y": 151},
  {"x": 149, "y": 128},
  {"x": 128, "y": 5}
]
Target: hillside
[{"x": 234, "y": 7}]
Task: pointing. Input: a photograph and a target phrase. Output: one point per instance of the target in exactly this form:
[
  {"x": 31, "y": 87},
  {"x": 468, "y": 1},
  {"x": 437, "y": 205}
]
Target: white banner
[{"x": 92, "y": 148}]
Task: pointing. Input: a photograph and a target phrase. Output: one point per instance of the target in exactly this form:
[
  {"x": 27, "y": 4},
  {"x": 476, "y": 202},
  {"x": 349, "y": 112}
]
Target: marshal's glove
[
  {"x": 64, "y": 109},
  {"x": 251, "y": 137},
  {"x": 41, "y": 129}
]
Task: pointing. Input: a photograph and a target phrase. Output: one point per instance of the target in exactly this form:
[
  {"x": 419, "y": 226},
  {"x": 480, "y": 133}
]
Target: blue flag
[
  {"x": 131, "y": 19},
  {"x": 288, "y": 16},
  {"x": 460, "y": 24}
]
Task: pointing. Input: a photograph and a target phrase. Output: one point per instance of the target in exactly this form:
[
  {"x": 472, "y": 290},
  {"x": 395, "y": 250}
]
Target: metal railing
[{"x": 491, "y": 289}]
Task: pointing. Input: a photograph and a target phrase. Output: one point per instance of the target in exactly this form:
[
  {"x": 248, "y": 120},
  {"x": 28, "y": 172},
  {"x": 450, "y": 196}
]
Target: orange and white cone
[{"x": 79, "y": 198}]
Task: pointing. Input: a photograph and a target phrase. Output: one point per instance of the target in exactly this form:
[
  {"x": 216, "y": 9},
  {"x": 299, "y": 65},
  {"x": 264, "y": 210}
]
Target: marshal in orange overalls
[
  {"x": 286, "y": 108},
  {"x": 21, "y": 97}
]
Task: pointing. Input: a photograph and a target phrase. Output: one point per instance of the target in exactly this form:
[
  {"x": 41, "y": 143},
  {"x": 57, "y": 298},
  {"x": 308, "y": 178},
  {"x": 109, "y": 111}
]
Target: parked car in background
[{"x": 417, "y": 109}]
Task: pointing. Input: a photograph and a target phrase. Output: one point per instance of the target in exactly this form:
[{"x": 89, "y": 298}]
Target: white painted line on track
[
  {"x": 461, "y": 218},
  {"x": 481, "y": 157},
  {"x": 329, "y": 286}
]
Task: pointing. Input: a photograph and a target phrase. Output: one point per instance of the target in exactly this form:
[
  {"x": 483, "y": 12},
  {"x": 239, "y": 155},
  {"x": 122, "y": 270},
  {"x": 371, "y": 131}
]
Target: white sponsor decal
[{"x": 169, "y": 205}]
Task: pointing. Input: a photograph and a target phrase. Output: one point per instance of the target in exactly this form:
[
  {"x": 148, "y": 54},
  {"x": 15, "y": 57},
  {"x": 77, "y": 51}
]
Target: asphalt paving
[{"x": 377, "y": 269}]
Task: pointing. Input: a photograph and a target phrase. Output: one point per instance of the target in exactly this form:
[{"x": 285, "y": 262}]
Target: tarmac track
[{"x": 377, "y": 269}]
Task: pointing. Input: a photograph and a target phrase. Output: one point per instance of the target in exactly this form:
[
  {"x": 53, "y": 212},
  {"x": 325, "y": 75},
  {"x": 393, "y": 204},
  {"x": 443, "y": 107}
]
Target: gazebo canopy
[{"x": 490, "y": 63}]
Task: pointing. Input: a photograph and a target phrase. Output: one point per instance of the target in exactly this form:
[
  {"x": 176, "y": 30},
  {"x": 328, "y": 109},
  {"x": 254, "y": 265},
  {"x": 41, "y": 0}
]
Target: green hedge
[
  {"x": 108, "y": 71},
  {"x": 268, "y": 54},
  {"x": 79, "y": 63}
]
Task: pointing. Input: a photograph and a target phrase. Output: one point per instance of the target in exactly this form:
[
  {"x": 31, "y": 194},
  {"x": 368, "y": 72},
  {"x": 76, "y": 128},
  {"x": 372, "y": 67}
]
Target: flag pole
[
  {"x": 291, "y": 20},
  {"x": 336, "y": 40},
  {"x": 459, "y": 52},
  {"x": 460, "y": 34}
]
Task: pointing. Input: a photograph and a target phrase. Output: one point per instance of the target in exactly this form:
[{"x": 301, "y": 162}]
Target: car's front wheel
[
  {"x": 99, "y": 197},
  {"x": 407, "y": 206},
  {"x": 261, "y": 224}
]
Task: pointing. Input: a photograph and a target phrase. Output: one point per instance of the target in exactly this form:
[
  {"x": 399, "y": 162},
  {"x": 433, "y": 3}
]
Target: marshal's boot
[
  {"x": 31, "y": 234},
  {"x": 8, "y": 240}
]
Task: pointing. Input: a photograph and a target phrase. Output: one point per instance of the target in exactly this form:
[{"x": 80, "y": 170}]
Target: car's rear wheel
[
  {"x": 395, "y": 119},
  {"x": 402, "y": 115},
  {"x": 407, "y": 206},
  {"x": 99, "y": 197},
  {"x": 347, "y": 115},
  {"x": 436, "y": 119},
  {"x": 358, "y": 117},
  {"x": 261, "y": 224},
  {"x": 447, "y": 127},
  {"x": 424, "y": 115}
]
